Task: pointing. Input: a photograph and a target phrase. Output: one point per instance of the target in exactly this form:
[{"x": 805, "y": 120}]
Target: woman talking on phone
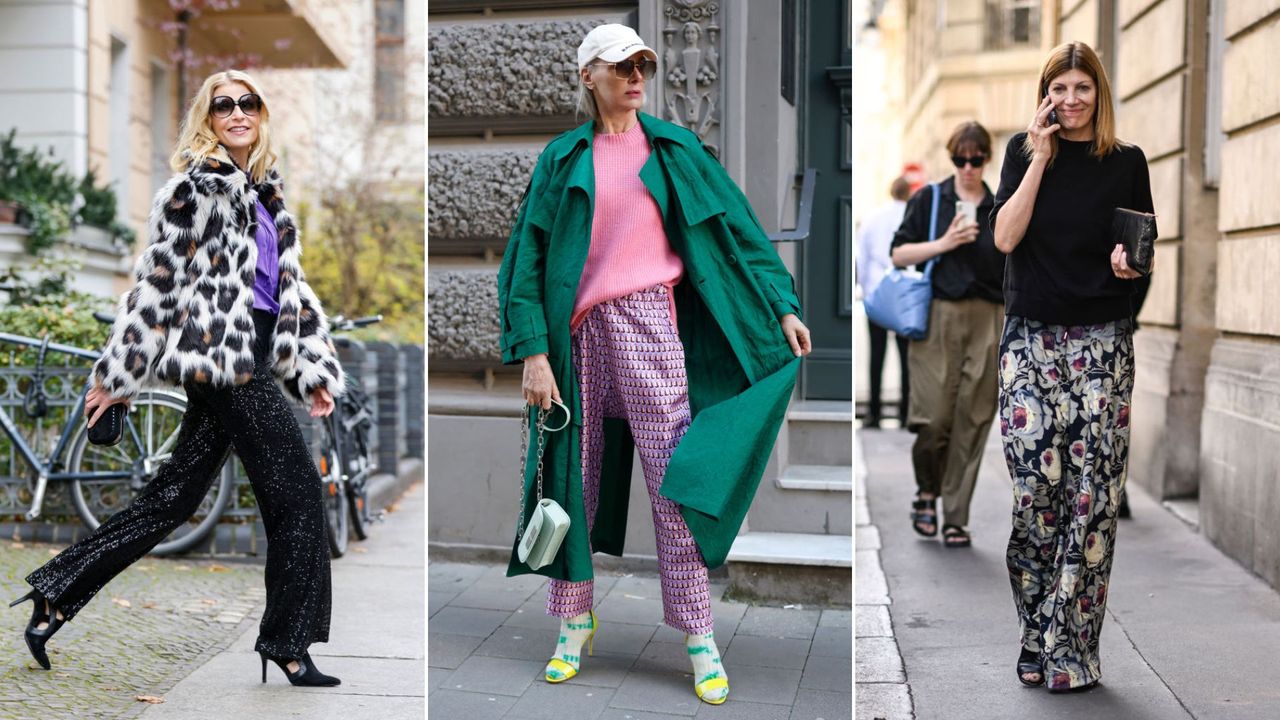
[
  {"x": 1066, "y": 361},
  {"x": 953, "y": 369}
]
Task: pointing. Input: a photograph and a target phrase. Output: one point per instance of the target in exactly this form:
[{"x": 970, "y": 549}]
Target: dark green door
[{"x": 827, "y": 256}]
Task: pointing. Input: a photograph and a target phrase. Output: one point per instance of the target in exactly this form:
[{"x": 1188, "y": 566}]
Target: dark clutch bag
[
  {"x": 1136, "y": 231},
  {"x": 110, "y": 427}
]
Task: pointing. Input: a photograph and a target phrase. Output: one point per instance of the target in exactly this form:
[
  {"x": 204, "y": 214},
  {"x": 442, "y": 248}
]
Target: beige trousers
[{"x": 954, "y": 387}]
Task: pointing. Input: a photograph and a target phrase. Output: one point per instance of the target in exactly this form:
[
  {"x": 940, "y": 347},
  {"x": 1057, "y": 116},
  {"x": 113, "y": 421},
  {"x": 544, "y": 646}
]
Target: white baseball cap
[{"x": 612, "y": 43}]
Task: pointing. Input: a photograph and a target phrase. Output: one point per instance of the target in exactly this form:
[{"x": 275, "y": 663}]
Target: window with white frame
[{"x": 1012, "y": 23}]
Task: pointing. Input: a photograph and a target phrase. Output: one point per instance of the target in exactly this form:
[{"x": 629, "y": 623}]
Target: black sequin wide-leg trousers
[{"x": 257, "y": 421}]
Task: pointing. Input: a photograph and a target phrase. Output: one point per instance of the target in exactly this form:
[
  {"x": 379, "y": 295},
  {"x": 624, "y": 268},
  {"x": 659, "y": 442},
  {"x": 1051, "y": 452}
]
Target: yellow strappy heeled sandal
[
  {"x": 557, "y": 670},
  {"x": 709, "y": 684}
]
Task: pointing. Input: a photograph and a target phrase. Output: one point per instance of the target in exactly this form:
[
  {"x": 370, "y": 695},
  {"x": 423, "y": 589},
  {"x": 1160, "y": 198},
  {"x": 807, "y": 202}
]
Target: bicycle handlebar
[
  {"x": 341, "y": 324},
  {"x": 104, "y": 318},
  {"x": 56, "y": 347}
]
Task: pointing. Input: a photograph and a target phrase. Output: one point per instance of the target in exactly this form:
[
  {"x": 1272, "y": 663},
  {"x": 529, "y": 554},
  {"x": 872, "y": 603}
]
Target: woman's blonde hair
[
  {"x": 1079, "y": 56},
  {"x": 586, "y": 101},
  {"x": 197, "y": 141}
]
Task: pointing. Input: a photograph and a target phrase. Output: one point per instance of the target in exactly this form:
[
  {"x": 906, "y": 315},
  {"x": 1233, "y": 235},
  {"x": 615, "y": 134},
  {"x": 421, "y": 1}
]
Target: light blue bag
[{"x": 901, "y": 301}]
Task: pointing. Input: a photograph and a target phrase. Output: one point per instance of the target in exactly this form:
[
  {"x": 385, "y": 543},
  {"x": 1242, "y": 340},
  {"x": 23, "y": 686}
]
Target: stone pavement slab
[
  {"x": 1189, "y": 633},
  {"x": 640, "y": 670}
]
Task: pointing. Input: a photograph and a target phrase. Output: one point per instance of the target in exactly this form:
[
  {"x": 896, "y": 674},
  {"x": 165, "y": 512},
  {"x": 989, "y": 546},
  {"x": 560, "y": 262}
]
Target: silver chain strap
[{"x": 524, "y": 456}]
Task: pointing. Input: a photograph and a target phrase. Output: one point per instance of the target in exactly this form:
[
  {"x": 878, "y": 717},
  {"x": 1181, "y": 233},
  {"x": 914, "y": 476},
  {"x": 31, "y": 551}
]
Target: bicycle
[
  {"x": 106, "y": 479},
  {"x": 346, "y": 455}
]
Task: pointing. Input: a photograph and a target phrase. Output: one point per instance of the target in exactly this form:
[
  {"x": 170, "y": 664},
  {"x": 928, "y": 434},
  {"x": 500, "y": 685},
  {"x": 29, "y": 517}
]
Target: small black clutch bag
[
  {"x": 1136, "y": 231},
  {"x": 110, "y": 427}
]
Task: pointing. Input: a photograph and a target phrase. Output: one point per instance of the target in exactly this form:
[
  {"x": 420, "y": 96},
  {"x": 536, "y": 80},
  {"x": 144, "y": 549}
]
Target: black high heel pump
[
  {"x": 36, "y": 636},
  {"x": 307, "y": 674}
]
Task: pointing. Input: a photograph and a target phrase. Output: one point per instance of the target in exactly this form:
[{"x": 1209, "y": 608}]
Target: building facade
[
  {"x": 101, "y": 83},
  {"x": 767, "y": 85}
]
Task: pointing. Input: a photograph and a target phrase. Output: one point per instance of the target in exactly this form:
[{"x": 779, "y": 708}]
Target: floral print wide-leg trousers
[{"x": 1064, "y": 419}]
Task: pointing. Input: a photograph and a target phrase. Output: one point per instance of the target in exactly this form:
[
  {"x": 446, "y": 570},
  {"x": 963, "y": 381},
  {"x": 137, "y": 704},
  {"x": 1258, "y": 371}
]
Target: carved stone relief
[{"x": 691, "y": 67}]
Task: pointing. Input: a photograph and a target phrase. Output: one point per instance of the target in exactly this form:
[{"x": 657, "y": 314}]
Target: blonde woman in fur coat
[{"x": 220, "y": 307}]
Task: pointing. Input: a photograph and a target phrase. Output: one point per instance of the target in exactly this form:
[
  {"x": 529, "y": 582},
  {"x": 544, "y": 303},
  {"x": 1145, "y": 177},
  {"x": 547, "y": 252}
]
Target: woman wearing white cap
[{"x": 638, "y": 282}]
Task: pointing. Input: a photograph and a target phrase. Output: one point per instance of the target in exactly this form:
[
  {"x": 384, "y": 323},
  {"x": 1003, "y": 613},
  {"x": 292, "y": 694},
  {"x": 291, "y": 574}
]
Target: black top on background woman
[
  {"x": 220, "y": 306},
  {"x": 1066, "y": 361}
]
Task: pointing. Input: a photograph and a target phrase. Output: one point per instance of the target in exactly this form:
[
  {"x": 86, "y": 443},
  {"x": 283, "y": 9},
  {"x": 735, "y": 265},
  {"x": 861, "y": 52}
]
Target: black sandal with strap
[
  {"x": 1029, "y": 664},
  {"x": 954, "y": 536},
  {"x": 924, "y": 512}
]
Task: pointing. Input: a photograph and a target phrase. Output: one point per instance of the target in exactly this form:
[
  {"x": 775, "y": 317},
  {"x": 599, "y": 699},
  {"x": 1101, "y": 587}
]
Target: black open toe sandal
[
  {"x": 954, "y": 536},
  {"x": 925, "y": 512},
  {"x": 1029, "y": 664}
]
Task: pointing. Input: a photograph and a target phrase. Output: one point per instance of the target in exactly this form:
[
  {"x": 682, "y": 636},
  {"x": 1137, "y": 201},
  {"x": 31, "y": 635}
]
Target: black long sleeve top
[
  {"x": 1061, "y": 271},
  {"x": 974, "y": 270}
]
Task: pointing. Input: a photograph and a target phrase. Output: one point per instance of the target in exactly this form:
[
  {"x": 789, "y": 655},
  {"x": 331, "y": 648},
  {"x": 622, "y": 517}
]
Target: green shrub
[{"x": 41, "y": 300}]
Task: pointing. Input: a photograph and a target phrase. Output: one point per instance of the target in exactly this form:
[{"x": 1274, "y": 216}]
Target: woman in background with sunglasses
[
  {"x": 953, "y": 369},
  {"x": 638, "y": 283},
  {"x": 221, "y": 307}
]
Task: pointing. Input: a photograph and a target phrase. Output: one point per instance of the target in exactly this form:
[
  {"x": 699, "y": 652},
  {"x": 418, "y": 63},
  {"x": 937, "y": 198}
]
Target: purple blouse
[{"x": 266, "y": 276}]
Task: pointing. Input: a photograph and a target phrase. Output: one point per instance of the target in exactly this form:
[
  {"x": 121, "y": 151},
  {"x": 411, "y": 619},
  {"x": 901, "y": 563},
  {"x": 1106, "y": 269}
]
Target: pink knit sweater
[{"x": 629, "y": 248}]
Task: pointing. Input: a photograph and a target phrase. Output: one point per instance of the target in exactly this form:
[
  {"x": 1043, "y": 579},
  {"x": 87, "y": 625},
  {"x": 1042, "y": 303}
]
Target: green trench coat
[{"x": 740, "y": 369}]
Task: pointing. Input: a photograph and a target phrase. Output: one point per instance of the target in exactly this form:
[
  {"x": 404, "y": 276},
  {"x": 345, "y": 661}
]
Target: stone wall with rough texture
[
  {"x": 463, "y": 307},
  {"x": 519, "y": 69},
  {"x": 474, "y": 193}
]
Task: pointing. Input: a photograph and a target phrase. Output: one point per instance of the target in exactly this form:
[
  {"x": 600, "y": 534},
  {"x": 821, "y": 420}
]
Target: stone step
[
  {"x": 820, "y": 432},
  {"x": 832, "y": 478},
  {"x": 780, "y": 548}
]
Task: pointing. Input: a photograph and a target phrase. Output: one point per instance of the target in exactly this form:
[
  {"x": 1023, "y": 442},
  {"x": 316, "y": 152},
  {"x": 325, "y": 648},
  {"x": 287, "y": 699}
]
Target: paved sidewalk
[
  {"x": 1189, "y": 633},
  {"x": 375, "y": 642},
  {"x": 490, "y": 637}
]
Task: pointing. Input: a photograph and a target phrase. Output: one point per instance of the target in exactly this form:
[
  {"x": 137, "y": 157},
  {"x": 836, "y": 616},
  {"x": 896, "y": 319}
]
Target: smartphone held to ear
[{"x": 1053, "y": 113}]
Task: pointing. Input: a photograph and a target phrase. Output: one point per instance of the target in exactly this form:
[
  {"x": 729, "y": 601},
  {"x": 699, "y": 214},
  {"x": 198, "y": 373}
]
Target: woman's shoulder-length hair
[
  {"x": 1079, "y": 56},
  {"x": 197, "y": 142}
]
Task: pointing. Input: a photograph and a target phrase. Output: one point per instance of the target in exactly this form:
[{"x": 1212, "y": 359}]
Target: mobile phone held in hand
[
  {"x": 967, "y": 210},
  {"x": 1053, "y": 113}
]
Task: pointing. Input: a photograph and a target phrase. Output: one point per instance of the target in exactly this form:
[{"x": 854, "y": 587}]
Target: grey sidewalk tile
[
  {"x": 520, "y": 644},
  {"x": 564, "y": 701},
  {"x": 452, "y": 577},
  {"x": 876, "y": 701},
  {"x": 873, "y": 621},
  {"x": 490, "y": 595},
  {"x": 827, "y": 673},
  {"x": 879, "y": 661},
  {"x": 821, "y": 705},
  {"x": 622, "y": 638},
  {"x": 604, "y": 669},
  {"x": 436, "y": 677},
  {"x": 498, "y": 676},
  {"x": 668, "y": 693},
  {"x": 766, "y": 652},
  {"x": 472, "y": 706},
  {"x": 437, "y": 601},
  {"x": 735, "y": 709},
  {"x": 533, "y": 613},
  {"x": 625, "y": 714},
  {"x": 631, "y": 608},
  {"x": 779, "y": 622},
  {"x": 661, "y": 657},
  {"x": 772, "y": 686},
  {"x": 446, "y": 650},
  {"x": 726, "y": 611},
  {"x": 468, "y": 621},
  {"x": 836, "y": 619},
  {"x": 832, "y": 643}
]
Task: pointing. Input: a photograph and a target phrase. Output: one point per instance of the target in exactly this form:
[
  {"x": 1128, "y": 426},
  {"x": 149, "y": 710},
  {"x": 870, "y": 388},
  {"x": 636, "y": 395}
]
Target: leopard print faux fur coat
[{"x": 189, "y": 316}]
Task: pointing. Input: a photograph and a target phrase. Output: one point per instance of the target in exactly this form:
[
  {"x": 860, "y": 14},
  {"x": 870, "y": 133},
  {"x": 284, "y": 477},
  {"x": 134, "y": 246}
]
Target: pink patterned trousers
[{"x": 630, "y": 365}]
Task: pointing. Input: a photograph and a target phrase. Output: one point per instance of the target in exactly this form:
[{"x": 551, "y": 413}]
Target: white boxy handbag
[{"x": 540, "y": 538}]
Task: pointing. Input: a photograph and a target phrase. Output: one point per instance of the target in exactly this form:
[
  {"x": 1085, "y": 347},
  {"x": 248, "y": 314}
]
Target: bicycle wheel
[
  {"x": 335, "y": 494},
  {"x": 157, "y": 417},
  {"x": 356, "y": 456}
]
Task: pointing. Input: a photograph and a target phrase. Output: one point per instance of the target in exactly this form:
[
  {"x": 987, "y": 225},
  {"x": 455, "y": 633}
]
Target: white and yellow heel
[
  {"x": 565, "y": 664},
  {"x": 713, "y": 690}
]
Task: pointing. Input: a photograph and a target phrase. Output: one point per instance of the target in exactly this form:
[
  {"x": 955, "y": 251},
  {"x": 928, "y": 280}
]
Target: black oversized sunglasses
[
  {"x": 648, "y": 68},
  {"x": 977, "y": 161},
  {"x": 222, "y": 105}
]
